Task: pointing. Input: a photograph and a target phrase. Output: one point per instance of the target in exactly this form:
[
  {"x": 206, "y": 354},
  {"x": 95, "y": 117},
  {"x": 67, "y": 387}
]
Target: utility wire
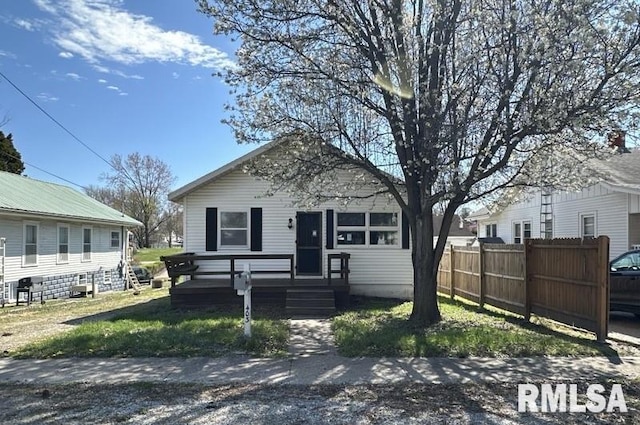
[
  {"x": 59, "y": 124},
  {"x": 44, "y": 171}
]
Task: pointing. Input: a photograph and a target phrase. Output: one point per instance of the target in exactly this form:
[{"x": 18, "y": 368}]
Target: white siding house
[
  {"x": 60, "y": 234},
  {"x": 610, "y": 207},
  {"x": 225, "y": 212}
]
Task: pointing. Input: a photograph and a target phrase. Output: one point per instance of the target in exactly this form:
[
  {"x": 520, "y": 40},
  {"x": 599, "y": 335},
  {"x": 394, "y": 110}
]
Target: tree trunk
[{"x": 425, "y": 299}]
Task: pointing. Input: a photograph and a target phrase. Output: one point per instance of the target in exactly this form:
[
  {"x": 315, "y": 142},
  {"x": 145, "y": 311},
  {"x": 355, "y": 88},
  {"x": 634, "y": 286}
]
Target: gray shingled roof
[
  {"x": 621, "y": 171},
  {"x": 24, "y": 195}
]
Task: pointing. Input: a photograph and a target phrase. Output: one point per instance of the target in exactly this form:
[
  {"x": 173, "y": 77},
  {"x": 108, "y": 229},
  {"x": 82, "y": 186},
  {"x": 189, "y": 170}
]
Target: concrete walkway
[{"x": 314, "y": 360}]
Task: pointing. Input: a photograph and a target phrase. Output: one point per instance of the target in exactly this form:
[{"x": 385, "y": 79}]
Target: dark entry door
[{"x": 309, "y": 243}]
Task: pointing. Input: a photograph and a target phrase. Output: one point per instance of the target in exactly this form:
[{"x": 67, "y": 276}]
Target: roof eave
[
  {"x": 621, "y": 188},
  {"x": 35, "y": 214},
  {"x": 183, "y": 191}
]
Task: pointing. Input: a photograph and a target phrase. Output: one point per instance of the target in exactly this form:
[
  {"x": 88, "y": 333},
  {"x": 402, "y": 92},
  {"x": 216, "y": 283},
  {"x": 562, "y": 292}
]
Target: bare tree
[
  {"x": 172, "y": 222},
  {"x": 439, "y": 102},
  {"x": 139, "y": 187}
]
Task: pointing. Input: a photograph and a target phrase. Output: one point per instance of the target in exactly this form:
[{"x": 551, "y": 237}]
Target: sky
[{"x": 123, "y": 76}]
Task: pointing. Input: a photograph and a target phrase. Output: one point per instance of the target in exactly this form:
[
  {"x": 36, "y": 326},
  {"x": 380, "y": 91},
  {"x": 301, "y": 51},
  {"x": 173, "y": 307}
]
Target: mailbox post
[{"x": 242, "y": 284}]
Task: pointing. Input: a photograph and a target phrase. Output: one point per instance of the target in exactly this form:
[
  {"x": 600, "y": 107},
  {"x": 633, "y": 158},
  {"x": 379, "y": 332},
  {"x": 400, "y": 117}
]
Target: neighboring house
[
  {"x": 226, "y": 212},
  {"x": 60, "y": 234},
  {"x": 610, "y": 207},
  {"x": 460, "y": 233}
]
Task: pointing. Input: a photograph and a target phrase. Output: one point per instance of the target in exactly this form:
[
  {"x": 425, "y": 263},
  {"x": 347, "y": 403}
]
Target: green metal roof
[{"x": 25, "y": 196}]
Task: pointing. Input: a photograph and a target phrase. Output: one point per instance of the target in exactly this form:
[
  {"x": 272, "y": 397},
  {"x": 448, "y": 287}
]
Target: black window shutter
[
  {"x": 211, "y": 229},
  {"x": 256, "y": 229},
  {"x": 329, "y": 229},
  {"x": 405, "y": 231}
]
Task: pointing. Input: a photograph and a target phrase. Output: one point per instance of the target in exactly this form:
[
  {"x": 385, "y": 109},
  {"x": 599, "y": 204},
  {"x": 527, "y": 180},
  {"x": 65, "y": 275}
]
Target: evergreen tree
[{"x": 10, "y": 159}]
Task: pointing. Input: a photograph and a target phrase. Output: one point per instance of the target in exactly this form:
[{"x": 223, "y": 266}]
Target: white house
[
  {"x": 610, "y": 207},
  {"x": 59, "y": 234},
  {"x": 226, "y": 212}
]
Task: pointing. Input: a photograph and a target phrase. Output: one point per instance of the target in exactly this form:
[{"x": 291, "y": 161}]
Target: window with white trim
[
  {"x": 588, "y": 225},
  {"x": 351, "y": 228},
  {"x": 115, "y": 239},
  {"x": 30, "y": 257},
  {"x": 491, "y": 230},
  {"x": 63, "y": 243},
  {"x": 87, "y": 234},
  {"x": 521, "y": 231},
  {"x": 234, "y": 229},
  {"x": 374, "y": 228},
  {"x": 83, "y": 279},
  {"x": 107, "y": 277},
  {"x": 383, "y": 228}
]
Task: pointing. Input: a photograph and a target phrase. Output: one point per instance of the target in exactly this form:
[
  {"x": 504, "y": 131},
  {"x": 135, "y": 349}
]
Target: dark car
[
  {"x": 624, "y": 275},
  {"x": 143, "y": 275}
]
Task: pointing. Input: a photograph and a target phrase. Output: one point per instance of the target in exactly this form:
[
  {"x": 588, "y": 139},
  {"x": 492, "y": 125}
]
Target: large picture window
[
  {"x": 63, "y": 243},
  {"x": 373, "y": 228},
  {"x": 30, "y": 257},
  {"x": 233, "y": 229}
]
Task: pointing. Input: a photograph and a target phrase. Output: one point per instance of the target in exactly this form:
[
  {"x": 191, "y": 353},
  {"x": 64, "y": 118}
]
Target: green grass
[
  {"x": 153, "y": 329},
  {"x": 380, "y": 328},
  {"x": 154, "y": 254}
]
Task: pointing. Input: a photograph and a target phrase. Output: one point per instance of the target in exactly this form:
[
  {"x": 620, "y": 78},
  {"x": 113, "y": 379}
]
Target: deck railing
[{"x": 185, "y": 264}]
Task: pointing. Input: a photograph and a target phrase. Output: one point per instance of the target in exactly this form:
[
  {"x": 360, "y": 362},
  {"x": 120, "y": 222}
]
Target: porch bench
[{"x": 179, "y": 266}]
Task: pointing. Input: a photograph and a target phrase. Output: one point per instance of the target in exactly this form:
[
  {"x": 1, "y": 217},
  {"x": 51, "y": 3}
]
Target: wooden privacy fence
[{"x": 566, "y": 280}]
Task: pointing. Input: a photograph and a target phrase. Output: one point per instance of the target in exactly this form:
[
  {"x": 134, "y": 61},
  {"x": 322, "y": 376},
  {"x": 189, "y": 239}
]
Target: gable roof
[
  {"x": 225, "y": 169},
  {"x": 26, "y": 196},
  {"x": 622, "y": 172},
  {"x": 458, "y": 226}
]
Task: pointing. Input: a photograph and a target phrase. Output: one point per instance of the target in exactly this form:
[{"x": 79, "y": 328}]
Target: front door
[{"x": 309, "y": 243}]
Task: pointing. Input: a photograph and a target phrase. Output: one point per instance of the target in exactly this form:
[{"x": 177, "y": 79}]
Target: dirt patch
[{"x": 286, "y": 404}]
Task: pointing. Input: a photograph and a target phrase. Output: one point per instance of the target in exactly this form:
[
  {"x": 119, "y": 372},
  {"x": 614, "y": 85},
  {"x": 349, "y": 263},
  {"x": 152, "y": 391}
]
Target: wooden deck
[
  {"x": 203, "y": 289},
  {"x": 208, "y": 292}
]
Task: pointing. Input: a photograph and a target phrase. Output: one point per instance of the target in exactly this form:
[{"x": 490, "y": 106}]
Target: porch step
[{"x": 310, "y": 302}]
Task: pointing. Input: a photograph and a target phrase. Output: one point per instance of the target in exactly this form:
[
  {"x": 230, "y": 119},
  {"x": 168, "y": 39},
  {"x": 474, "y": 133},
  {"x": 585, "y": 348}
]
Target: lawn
[
  {"x": 153, "y": 329},
  {"x": 145, "y": 255},
  {"x": 379, "y": 328}
]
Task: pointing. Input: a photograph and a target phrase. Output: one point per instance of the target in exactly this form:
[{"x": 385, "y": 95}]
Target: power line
[
  {"x": 44, "y": 171},
  {"x": 57, "y": 122}
]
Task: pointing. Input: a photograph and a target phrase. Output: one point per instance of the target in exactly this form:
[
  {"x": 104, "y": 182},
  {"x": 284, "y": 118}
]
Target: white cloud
[
  {"x": 102, "y": 81},
  {"x": 7, "y": 54},
  {"x": 73, "y": 76},
  {"x": 175, "y": 75},
  {"x": 26, "y": 25},
  {"x": 46, "y": 97},
  {"x": 102, "y": 30},
  {"x": 105, "y": 70},
  {"x": 124, "y": 94},
  {"x": 114, "y": 88},
  {"x": 66, "y": 55}
]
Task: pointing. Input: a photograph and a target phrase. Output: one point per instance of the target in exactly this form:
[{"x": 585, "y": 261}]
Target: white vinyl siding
[
  {"x": 611, "y": 210},
  {"x": 375, "y": 271},
  {"x": 30, "y": 244},
  {"x": 63, "y": 243},
  {"x": 12, "y": 228}
]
